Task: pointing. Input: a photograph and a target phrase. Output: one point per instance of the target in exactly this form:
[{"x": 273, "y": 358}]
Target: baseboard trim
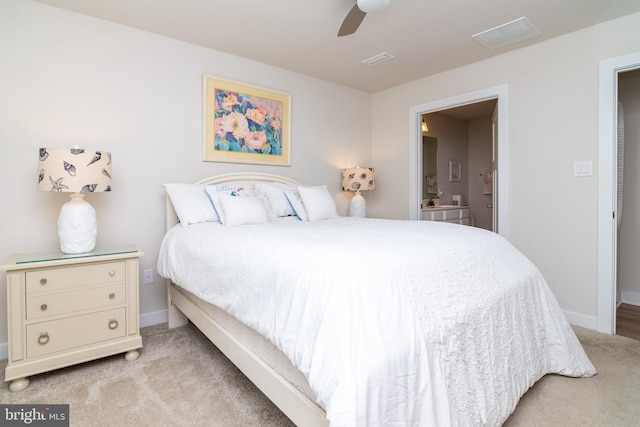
[
  {"x": 154, "y": 318},
  {"x": 589, "y": 322},
  {"x": 632, "y": 298}
]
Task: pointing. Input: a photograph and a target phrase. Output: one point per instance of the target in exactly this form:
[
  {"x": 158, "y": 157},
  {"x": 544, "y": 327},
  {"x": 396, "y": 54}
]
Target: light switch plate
[{"x": 583, "y": 168}]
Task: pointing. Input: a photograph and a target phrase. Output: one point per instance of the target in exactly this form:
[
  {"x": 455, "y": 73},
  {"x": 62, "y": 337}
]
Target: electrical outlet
[{"x": 148, "y": 276}]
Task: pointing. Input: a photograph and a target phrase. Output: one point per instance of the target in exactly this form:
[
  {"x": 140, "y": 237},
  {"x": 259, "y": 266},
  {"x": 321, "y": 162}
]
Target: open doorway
[
  {"x": 500, "y": 190},
  {"x": 463, "y": 134},
  {"x": 628, "y": 207},
  {"x": 610, "y": 192}
]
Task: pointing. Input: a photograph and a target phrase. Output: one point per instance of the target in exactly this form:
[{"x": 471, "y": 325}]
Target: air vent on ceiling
[
  {"x": 381, "y": 57},
  {"x": 511, "y": 32}
]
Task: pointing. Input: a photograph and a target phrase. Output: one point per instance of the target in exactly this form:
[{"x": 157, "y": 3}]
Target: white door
[{"x": 494, "y": 170}]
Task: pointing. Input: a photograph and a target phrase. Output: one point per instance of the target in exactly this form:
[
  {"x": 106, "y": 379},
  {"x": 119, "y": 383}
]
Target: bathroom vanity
[{"x": 447, "y": 213}]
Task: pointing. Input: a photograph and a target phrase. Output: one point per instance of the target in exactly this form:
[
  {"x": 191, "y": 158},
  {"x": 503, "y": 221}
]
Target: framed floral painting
[
  {"x": 245, "y": 124},
  {"x": 455, "y": 171}
]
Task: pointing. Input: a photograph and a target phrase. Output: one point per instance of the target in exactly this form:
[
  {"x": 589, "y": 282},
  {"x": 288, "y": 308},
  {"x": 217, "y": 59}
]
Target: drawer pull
[
  {"x": 43, "y": 281},
  {"x": 43, "y": 338},
  {"x": 43, "y": 307},
  {"x": 112, "y": 295},
  {"x": 113, "y": 323},
  {"x": 112, "y": 273}
]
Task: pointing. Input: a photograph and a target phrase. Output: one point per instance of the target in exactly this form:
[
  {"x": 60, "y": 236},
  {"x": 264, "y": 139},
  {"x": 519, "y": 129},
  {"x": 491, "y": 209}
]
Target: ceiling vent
[
  {"x": 381, "y": 57},
  {"x": 511, "y": 32}
]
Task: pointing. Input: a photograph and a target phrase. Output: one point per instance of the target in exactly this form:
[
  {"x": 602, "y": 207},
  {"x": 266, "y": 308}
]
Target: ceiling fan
[{"x": 358, "y": 12}]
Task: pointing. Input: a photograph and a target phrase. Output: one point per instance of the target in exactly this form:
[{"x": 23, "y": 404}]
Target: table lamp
[
  {"x": 75, "y": 171},
  {"x": 358, "y": 179}
]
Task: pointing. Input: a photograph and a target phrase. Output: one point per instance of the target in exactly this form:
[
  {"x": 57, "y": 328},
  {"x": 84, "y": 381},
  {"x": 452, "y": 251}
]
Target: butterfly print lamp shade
[
  {"x": 358, "y": 179},
  {"x": 75, "y": 171}
]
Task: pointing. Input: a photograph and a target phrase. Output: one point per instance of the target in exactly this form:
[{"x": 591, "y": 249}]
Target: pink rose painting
[{"x": 246, "y": 123}]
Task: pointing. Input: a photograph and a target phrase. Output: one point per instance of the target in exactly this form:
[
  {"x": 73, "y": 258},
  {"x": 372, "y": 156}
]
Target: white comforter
[{"x": 395, "y": 323}]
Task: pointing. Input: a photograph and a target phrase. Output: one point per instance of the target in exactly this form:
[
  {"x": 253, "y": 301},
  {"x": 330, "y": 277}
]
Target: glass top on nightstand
[{"x": 58, "y": 255}]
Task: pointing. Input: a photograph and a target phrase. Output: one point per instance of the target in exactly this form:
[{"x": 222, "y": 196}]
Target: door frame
[
  {"x": 608, "y": 188},
  {"x": 500, "y": 93}
]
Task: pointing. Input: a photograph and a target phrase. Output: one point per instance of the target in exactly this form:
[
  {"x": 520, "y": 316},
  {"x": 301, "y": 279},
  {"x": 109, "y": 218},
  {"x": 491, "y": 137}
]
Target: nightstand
[{"x": 64, "y": 309}]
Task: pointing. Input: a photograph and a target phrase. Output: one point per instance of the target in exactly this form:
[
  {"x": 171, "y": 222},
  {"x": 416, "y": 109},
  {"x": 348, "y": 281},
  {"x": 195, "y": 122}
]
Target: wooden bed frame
[{"x": 294, "y": 404}]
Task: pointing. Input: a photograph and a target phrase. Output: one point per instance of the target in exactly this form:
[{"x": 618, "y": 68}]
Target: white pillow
[
  {"x": 274, "y": 193},
  {"x": 293, "y": 196},
  {"x": 318, "y": 203},
  {"x": 191, "y": 203},
  {"x": 242, "y": 210},
  {"x": 232, "y": 188}
]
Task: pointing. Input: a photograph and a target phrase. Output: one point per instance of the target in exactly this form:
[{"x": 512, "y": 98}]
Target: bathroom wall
[
  {"x": 469, "y": 141},
  {"x": 453, "y": 140}
]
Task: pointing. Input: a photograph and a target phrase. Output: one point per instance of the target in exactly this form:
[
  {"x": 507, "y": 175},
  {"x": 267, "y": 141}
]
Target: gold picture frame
[{"x": 245, "y": 124}]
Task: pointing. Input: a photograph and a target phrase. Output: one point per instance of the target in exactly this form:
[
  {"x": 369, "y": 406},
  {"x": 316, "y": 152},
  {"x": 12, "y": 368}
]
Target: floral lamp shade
[{"x": 75, "y": 171}]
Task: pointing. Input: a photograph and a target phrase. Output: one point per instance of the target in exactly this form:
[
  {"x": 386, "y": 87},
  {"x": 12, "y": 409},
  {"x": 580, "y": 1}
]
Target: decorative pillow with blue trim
[{"x": 274, "y": 192}]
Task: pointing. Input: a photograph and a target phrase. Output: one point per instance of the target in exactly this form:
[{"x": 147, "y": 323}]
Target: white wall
[
  {"x": 68, "y": 79},
  {"x": 553, "y": 120},
  {"x": 629, "y": 233}
]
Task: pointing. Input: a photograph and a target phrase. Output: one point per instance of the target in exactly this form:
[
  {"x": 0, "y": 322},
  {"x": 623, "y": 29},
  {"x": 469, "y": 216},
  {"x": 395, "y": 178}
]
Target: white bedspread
[{"x": 395, "y": 323}]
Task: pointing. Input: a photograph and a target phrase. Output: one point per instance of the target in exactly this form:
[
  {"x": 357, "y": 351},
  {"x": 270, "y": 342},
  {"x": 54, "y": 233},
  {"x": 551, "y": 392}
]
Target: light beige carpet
[
  {"x": 609, "y": 399},
  {"x": 181, "y": 379}
]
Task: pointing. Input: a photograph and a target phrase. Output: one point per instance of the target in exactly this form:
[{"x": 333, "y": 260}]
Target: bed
[{"x": 360, "y": 322}]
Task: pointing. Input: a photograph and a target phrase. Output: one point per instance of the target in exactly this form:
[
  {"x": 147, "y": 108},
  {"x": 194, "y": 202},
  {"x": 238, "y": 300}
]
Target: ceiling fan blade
[{"x": 352, "y": 21}]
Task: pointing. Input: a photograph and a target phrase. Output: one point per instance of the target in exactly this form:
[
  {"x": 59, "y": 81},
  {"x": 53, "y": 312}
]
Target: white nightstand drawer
[
  {"x": 55, "y": 279},
  {"x": 58, "y": 335},
  {"x": 45, "y": 305}
]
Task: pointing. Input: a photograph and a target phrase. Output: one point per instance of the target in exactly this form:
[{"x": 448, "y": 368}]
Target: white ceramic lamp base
[
  {"x": 358, "y": 206},
  {"x": 77, "y": 228}
]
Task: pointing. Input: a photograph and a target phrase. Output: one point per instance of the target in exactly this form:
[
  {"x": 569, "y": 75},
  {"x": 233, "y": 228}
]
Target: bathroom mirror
[{"x": 429, "y": 167}]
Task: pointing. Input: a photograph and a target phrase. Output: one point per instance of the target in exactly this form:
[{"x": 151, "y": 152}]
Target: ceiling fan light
[{"x": 372, "y": 5}]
